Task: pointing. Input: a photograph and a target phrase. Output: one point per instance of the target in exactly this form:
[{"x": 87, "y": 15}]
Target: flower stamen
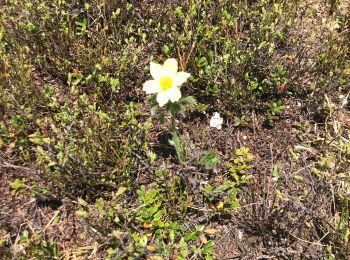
[{"x": 165, "y": 83}]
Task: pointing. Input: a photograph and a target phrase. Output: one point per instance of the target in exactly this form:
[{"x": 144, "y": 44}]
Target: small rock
[
  {"x": 216, "y": 121},
  {"x": 239, "y": 235}
]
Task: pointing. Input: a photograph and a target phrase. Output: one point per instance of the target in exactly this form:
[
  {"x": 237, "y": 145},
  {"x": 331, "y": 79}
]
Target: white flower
[
  {"x": 166, "y": 81},
  {"x": 216, "y": 121}
]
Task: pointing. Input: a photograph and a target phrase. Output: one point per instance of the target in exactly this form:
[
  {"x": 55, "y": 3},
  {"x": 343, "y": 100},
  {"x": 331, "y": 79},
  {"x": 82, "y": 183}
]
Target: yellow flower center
[{"x": 165, "y": 83}]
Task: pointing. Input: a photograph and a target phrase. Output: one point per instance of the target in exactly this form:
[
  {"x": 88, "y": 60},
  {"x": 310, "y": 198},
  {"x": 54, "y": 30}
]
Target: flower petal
[
  {"x": 180, "y": 78},
  {"x": 151, "y": 86},
  {"x": 170, "y": 66},
  {"x": 156, "y": 70},
  {"x": 174, "y": 94},
  {"x": 162, "y": 98}
]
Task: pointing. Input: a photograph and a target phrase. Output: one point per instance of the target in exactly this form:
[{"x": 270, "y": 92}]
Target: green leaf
[
  {"x": 82, "y": 213},
  {"x": 25, "y": 236},
  {"x": 82, "y": 202},
  {"x": 188, "y": 100},
  {"x": 18, "y": 185},
  {"x": 121, "y": 191},
  {"x": 114, "y": 84},
  {"x": 210, "y": 160},
  {"x": 179, "y": 146},
  {"x": 275, "y": 173}
]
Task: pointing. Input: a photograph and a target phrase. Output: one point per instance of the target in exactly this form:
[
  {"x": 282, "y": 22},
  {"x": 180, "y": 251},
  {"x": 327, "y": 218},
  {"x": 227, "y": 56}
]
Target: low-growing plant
[
  {"x": 239, "y": 165},
  {"x": 72, "y": 112},
  {"x": 210, "y": 160}
]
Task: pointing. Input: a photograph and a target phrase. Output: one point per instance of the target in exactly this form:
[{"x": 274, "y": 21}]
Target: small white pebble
[
  {"x": 239, "y": 235},
  {"x": 245, "y": 137},
  {"x": 299, "y": 104},
  {"x": 216, "y": 121}
]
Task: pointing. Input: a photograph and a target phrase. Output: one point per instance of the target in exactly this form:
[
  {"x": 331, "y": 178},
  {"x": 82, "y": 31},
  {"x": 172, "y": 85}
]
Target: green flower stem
[
  {"x": 172, "y": 124},
  {"x": 173, "y": 128},
  {"x": 176, "y": 139}
]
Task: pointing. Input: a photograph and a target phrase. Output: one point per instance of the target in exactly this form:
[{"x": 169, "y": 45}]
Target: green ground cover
[{"x": 86, "y": 165}]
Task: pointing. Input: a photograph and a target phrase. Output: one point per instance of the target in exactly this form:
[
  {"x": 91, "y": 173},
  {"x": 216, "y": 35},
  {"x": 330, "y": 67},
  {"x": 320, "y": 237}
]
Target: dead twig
[{"x": 17, "y": 167}]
